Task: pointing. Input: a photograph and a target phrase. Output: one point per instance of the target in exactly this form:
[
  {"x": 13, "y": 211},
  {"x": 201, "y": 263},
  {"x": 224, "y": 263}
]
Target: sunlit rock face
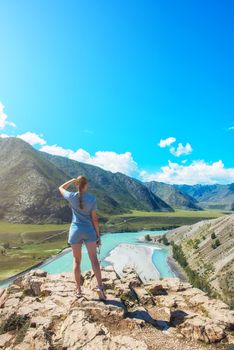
[{"x": 41, "y": 311}]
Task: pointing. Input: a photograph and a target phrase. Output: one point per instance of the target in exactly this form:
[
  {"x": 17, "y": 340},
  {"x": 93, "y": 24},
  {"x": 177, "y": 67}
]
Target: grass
[
  {"x": 29, "y": 244},
  {"x": 138, "y": 220},
  {"x": 176, "y": 213},
  {"x": 24, "y": 245},
  {"x": 16, "y": 228}
]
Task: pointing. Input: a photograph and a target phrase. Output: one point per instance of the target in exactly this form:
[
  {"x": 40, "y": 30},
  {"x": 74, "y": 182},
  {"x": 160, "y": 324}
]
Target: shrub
[
  {"x": 194, "y": 278},
  {"x": 196, "y": 244},
  {"x": 179, "y": 255},
  {"x": 216, "y": 244},
  {"x": 213, "y": 235},
  {"x": 6, "y": 245},
  {"x": 148, "y": 238},
  {"x": 165, "y": 240}
]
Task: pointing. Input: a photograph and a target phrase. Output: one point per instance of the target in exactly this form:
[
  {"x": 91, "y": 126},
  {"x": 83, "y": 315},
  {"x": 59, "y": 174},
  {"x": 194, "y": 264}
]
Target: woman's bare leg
[
  {"x": 76, "y": 250},
  {"x": 91, "y": 248}
]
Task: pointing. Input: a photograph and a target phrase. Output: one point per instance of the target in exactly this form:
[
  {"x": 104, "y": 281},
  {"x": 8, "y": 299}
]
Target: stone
[
  {"x": 32, "y": 285},
  {"x": 155, "y": 288},
  {"x": 200, "y": 328},
  {"x": 5, "y": 340},
  {"x": 12, "y": 302},
  {"x": 38, "y": 273},
  {"x": 3, "y": 297},
  {"x": 130, "y": 277},
  {"x": 143, "y": 296},
  {"x": 175, "y": 285},
  {"x": 167, "y": 300},
  {"x": 160, "y": 313},
  {"x": 2, "y": 291},
  {"x": 36, "y": 321},
  {"x": 126, "y": 343},
  {"x": 77, "y": 332},
  {"x": 36, "y": 339}
]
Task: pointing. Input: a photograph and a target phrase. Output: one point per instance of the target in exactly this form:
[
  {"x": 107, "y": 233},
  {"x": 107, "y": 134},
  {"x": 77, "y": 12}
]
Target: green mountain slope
[
  {"x": 29, "y": 181},
  {"x": 173, "y": 196},
  {"x": 28, "y": 184},
  {"x": 211, "y": 196},
  {"x": 129, "y": 193}
]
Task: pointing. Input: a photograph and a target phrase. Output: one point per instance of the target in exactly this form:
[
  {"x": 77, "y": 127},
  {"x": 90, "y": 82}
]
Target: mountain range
[
  {"x": 211, "y": 196},
  {"x": 173, "y": 195},
  {"x": 29, "y": 181}
]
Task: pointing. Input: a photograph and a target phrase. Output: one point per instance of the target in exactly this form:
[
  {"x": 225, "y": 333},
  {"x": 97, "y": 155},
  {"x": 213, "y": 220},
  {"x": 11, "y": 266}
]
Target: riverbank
[
  {"x": 7, "y": 281},
  {"x": 176, "y": 269},
  {"x": 174, "y": 266},
  {"x": 137, "y": 256}
]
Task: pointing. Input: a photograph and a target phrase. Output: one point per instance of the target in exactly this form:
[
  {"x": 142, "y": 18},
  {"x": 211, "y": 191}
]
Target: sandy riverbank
[{"x": 138, "y": 256}]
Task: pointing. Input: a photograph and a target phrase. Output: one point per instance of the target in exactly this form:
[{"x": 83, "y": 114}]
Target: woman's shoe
[
  {"x": 79, "y": 294},
  {"x": 100, "y": 291}
]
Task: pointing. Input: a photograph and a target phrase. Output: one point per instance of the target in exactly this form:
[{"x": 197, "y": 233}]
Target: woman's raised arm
[{"x": 66, "y": 185}]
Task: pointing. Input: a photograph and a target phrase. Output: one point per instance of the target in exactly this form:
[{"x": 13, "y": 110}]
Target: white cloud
[
  {"x": 3, "y": 118},
  {"x": 231, "y": 128},
  {"x": 176, "y": 151},
  {"x": 57, "y": 150},
  {"x": 197, "y": 172},
  {"x": 166, "y": 142},
  {"x": 180, "y": 150},
  {"x": 111, "y": 161},
  {"x": 32, "y": 138},
  {"x": 4, "y": 136}
]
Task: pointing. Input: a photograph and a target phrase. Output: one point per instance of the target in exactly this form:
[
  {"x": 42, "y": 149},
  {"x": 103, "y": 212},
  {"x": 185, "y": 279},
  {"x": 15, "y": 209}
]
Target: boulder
[
  {"x": 38, "y": 273},
  {"x": 32, "y": 285},
  {"x": 175, "y": 285},
  {"x": 155, "y": 288},
  {"x": 201, "y": 328},
  {"x": 160, "y": 313},
  {"x": 143, "y": 296}
]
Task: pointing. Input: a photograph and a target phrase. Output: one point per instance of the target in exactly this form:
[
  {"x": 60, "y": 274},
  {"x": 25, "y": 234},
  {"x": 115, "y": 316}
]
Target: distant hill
[
  {"x": 211, "y": 196},
  {"x": 209, "y": 249},
  {"x": 29, "y": 181},
  {"x": 173, "y": 196}
]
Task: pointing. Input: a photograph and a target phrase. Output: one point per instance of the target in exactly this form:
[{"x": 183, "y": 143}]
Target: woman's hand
[
  {"x": 98, "y": 241},
  {"x": 67, "y": 184},
  {"x": 75, "y": 181}
]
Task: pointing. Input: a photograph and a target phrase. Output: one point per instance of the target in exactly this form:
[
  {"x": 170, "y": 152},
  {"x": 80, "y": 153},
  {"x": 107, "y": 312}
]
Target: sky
[{"x": 141, "y": 87}]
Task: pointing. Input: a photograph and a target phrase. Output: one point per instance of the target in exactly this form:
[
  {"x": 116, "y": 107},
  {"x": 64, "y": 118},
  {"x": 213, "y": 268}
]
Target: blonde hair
[{"x": 81, "y": 183}]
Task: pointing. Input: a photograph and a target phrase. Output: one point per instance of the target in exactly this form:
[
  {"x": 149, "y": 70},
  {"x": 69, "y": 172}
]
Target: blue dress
[{"x": 81, "y": 228}]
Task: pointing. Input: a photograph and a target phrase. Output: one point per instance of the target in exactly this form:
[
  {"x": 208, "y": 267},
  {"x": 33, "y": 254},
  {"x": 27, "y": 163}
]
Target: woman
[{"x": 83, "y": 228}]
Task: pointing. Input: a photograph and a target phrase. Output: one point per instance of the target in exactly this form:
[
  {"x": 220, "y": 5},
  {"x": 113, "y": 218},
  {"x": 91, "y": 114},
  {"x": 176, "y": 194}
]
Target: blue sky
[{"x": 104, "y": 81}]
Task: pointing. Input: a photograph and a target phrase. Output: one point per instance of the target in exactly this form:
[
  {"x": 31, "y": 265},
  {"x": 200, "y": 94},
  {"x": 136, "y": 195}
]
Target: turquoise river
[{"x": 63, "y": 262}]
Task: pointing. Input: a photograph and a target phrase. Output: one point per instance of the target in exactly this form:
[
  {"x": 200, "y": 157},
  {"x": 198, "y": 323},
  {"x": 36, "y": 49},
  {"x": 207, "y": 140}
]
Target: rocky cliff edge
[{"x": 40, "y": 311}]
